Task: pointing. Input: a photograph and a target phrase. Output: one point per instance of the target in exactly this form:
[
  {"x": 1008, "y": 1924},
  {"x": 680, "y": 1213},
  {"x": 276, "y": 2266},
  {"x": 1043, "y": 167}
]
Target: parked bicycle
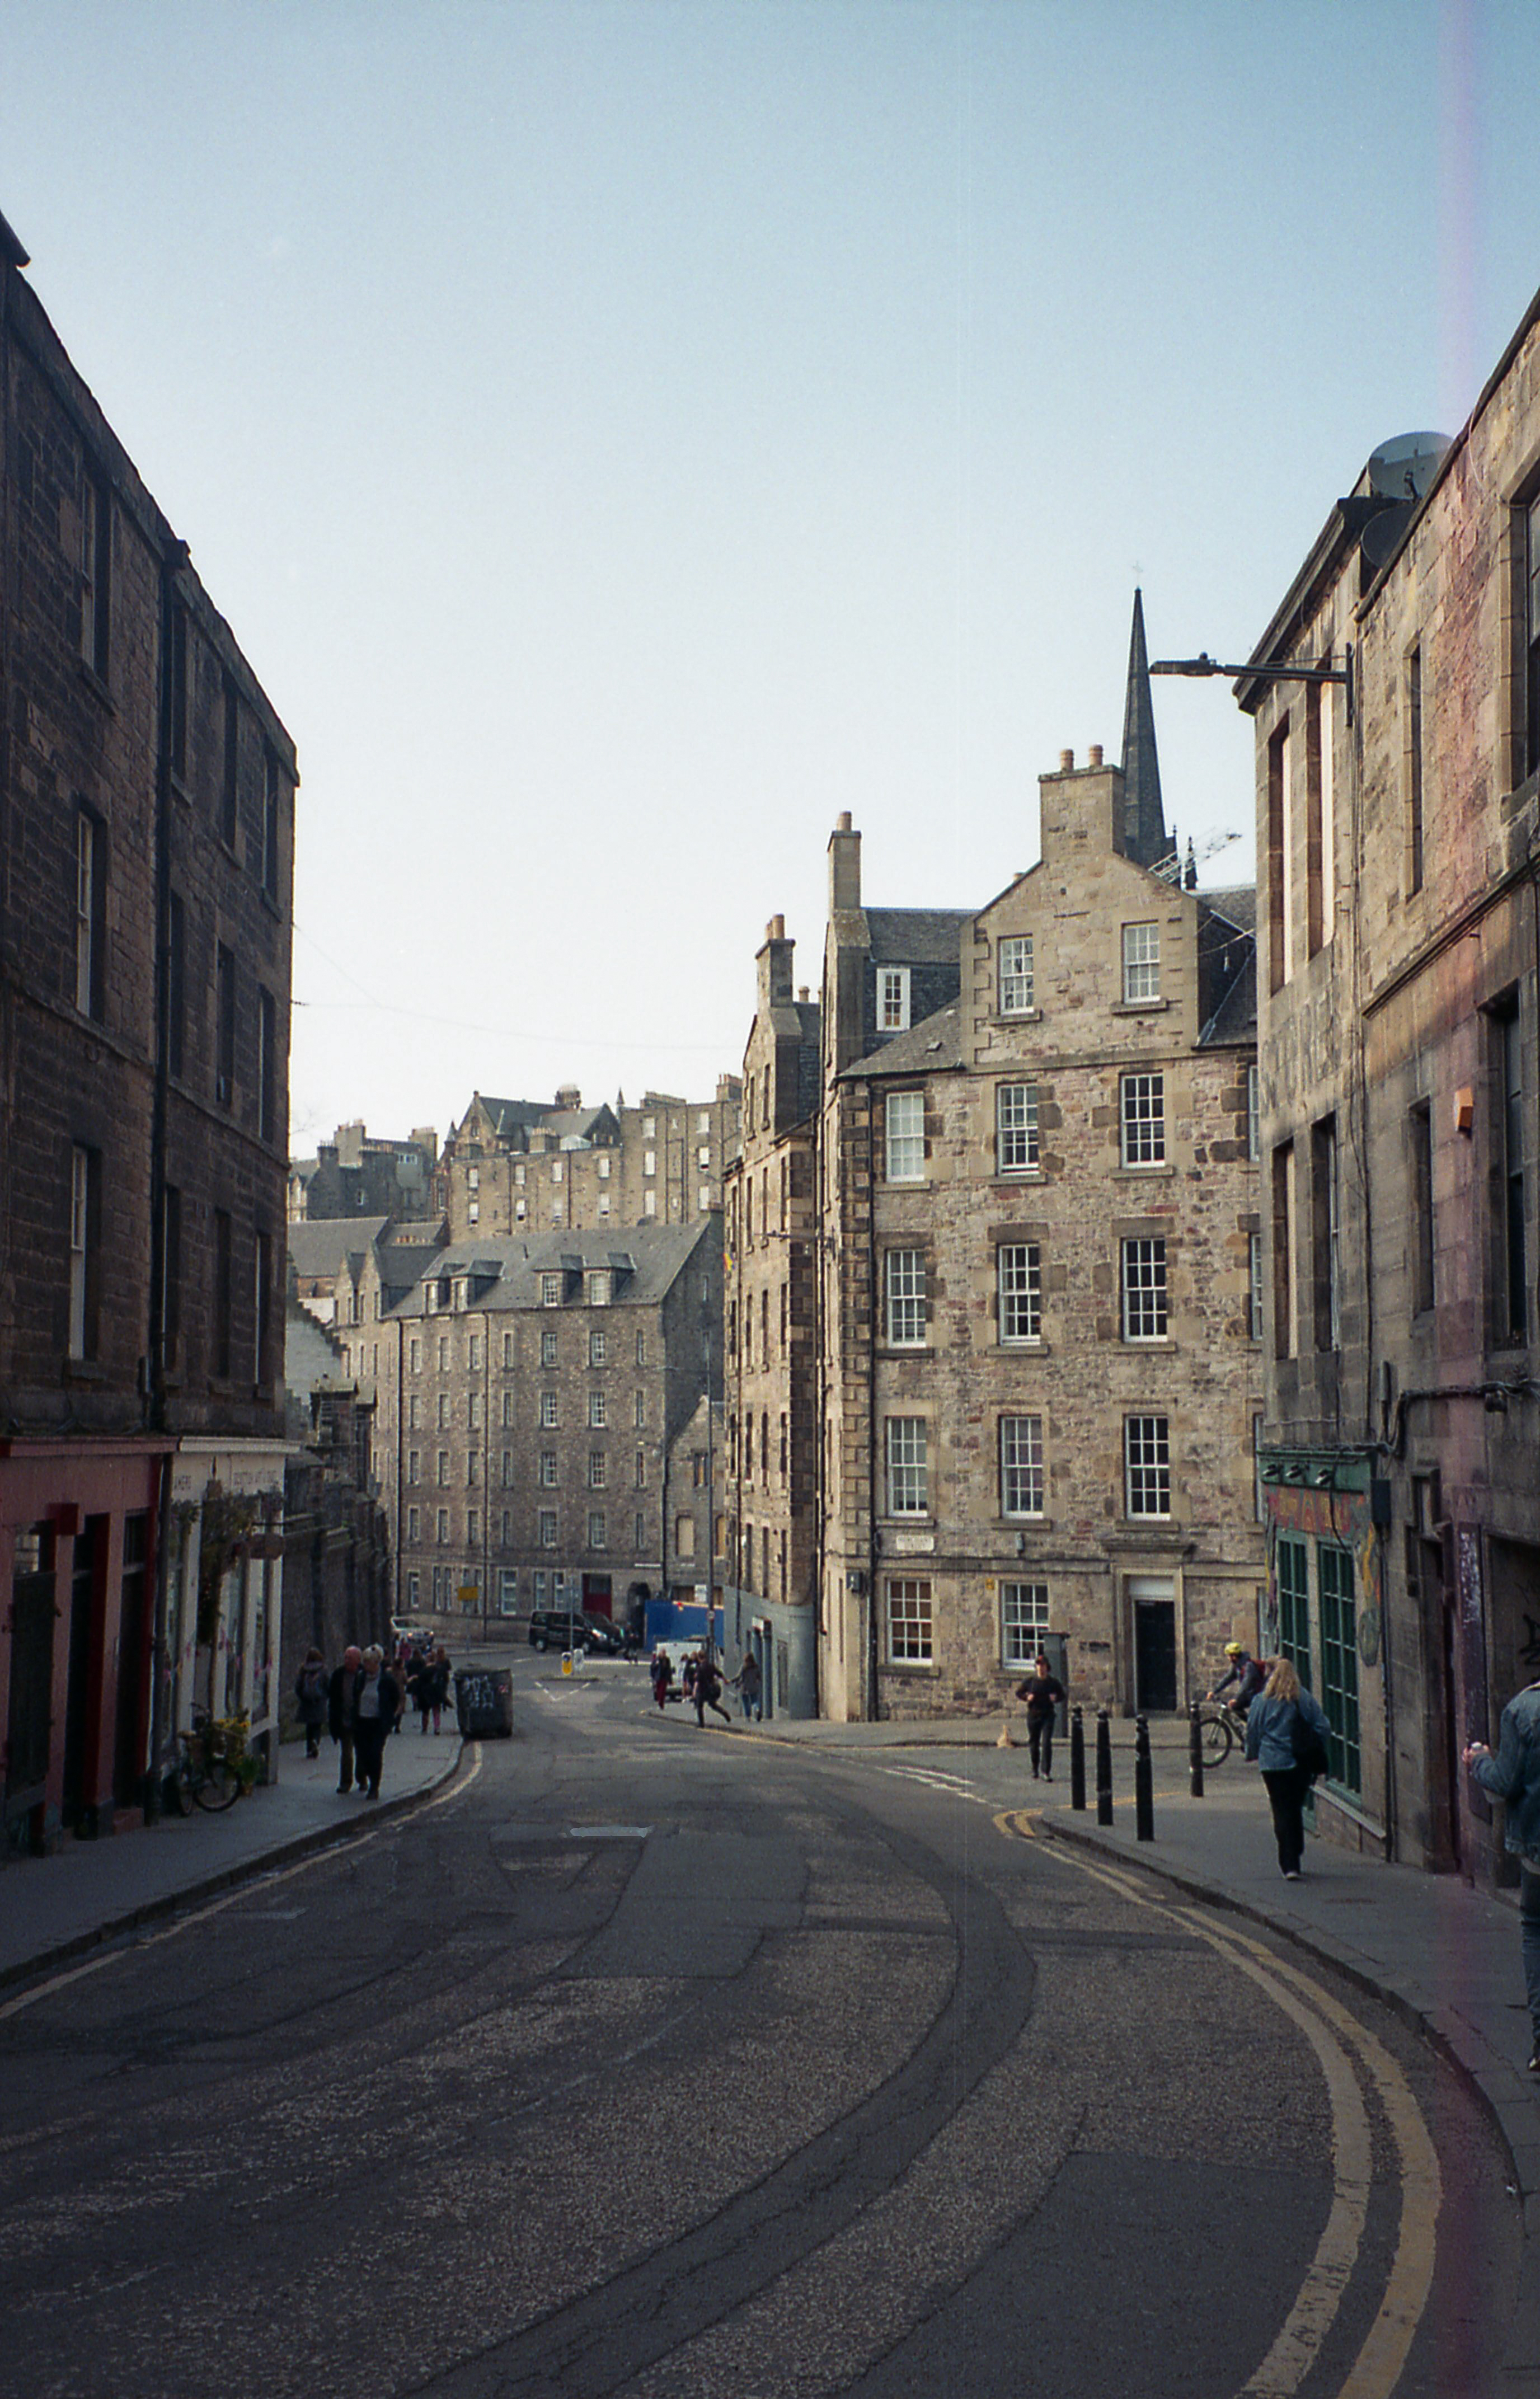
[
  {"x": 1220, "y": 1728},
  {"x": 207, "y": 1771}
]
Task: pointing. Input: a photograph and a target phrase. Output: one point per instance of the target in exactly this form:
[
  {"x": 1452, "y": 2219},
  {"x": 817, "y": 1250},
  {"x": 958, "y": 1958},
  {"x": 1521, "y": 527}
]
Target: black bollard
[
  {"x": 1143, "y": 1782},
  {"x": 1077, "y": 1760},
  {"x": 1104, "y": 1768},
  {"x": 1194, "y": 1750}
]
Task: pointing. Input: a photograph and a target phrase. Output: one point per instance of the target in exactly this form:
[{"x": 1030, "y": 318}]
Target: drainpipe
[
  {"x": 873, "y": 1639},
  {"x": 173, "y": 558}
]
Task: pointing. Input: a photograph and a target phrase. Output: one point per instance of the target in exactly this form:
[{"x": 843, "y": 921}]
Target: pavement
[
  {"x": 53, "y": 1909},
  {"x": 1441, "y": 1953}
]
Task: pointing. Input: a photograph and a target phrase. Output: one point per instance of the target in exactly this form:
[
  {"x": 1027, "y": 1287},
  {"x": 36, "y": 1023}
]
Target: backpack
[{"x": 1309, "y": 1748}]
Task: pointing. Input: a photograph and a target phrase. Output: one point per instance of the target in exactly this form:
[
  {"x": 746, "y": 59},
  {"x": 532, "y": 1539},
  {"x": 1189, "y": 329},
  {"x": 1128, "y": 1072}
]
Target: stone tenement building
[
  {"x": 147, "y": 790},
  {"x": 529, "y": 1394},
  {"x": 354, "y": 1176},
  {"x": 520, "y": 1166},
  {"x": 1036, "y": 1349},
  {"x": 1398, "y": 832},
  {"x": 772, "y": 1463}
]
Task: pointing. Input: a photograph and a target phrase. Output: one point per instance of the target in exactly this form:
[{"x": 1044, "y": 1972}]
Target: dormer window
[
  {"x": 551, "y": 1291},
  {"x": 1016, "y": 976},
  {"x": 892, "y": 999},
  {"x": 599, "y": 1291}
]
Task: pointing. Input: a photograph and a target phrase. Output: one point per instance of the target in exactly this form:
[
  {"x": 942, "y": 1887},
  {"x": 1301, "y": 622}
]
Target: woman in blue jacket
[{"x": 1284, "y": 1702}]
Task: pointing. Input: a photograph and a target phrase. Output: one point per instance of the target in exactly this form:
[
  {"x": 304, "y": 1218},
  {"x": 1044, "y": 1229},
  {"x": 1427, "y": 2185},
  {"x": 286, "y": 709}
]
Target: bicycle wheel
[
  {"x": 179, "y": 1789},
  {"x": 217, "y": 1786},
  {"x": 1217, "y": 1740}
]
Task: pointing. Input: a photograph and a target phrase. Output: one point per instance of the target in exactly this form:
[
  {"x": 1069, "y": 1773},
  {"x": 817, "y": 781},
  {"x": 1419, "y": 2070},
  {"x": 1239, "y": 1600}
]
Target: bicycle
[
  {"x": 1220, "y": 1728},
  {"x": 205, "y": 1773}
]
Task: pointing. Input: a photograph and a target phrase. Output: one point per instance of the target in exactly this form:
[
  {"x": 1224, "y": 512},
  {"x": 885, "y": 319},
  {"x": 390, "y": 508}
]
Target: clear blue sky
[{"x": 623, "y": 434}]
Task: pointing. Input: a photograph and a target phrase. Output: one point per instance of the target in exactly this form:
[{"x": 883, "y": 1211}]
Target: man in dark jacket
[
  {"x": 1043, "y": 1693},
  {"x": 376, "y": 1705},
  {"x": 339, "y": 1712}
]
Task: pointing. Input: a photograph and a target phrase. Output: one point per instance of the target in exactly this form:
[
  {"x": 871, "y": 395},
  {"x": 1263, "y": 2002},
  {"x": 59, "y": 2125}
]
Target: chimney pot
[
  {"x": 841, "y": 823},
  {"x": 801, "y": 991},
  {"x": 778, "y": 928},
  {"x": 1066, "y": 762},
  {"x": 1094, "y": 754}
]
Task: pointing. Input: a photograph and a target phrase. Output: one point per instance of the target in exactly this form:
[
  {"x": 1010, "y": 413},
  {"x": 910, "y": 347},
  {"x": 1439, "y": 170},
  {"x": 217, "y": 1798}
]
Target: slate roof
[
  {"x": 1237, "y": 903},
  {"x": 1234, "y": 1020},
  {"x": 916, "y": 936},
  {"x": 323, "y": 1245},
  {"x": 933, "y": 1045},
  {"x": 512, "y": 1268}
]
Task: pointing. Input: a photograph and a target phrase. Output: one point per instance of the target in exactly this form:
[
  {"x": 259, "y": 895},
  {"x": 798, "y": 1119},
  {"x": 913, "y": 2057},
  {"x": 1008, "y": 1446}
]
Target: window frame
[
  {"x": 892, "y": 999},
  {"x": 904, "y": 1137},
  {"x": 1023, "y": 1482},
  {"x": 1018, "y": 1294},
  {"x": 906, "y": 1466},
  {"x": 1146, "y": 1468},
  {"x": 1032, "y": 1617},
  {"x": 1143, "y": 1283},
  {"x": 1016, "y": 977},
  {"x": 1015, "y": 1123},
  {"x": 1141, "y": 963},
  {"x": 905, "y": 1312},
  {"x": 909, "y": 1619},
  {"x": 1142, "y": 1118}
]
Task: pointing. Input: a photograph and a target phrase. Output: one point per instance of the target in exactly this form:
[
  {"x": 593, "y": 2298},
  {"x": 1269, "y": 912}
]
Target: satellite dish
[
  {"x": 1382, "y": 535},
  {"x": 1403, "y": 469}
]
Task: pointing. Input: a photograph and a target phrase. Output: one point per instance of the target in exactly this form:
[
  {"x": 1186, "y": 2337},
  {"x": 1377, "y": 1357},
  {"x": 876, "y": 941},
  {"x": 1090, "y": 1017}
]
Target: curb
[
  {"x": 1508, "y": 2102},
  {"x": 261, "y": 1861}
]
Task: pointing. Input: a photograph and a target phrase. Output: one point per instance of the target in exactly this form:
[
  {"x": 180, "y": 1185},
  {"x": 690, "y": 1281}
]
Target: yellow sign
[{"x": 566, "y": 1661}]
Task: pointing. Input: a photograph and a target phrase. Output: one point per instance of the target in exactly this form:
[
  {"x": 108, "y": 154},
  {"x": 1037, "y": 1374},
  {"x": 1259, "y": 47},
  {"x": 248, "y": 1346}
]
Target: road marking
[
  {"x": 1021, "y": 1822},
  {"x": 937, "y": 1779},
  {"x": 259, "y": 1886},
  {"x": 1327, "y": 2025}
]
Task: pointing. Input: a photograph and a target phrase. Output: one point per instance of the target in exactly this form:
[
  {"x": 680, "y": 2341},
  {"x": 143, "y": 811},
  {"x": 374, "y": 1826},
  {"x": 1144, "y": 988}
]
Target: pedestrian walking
[
  {"x": 708, "y": 1690},
  {"x": 746, "y": 1682},
  {"x": 663, "y": 1675},
  {"x": 311, "y": 1692},
  {"x": 419, "y": 1686},
  {"x": 440, "y": 1673},
  {"x": 1286, "y": 1733},
  {"x": 1043, "y": 1693},
  {"x": 376, "y": 1706},
  {"x": 340, "y": 1701},
  {"x": 1513, "y": 1776}
]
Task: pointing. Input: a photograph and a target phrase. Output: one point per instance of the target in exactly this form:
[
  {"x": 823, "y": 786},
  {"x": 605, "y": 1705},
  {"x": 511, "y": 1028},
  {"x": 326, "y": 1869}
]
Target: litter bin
[{"x": 483, "y": 1700}]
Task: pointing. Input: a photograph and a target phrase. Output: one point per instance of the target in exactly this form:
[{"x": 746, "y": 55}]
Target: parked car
[{"x": 579, "y": 1629}]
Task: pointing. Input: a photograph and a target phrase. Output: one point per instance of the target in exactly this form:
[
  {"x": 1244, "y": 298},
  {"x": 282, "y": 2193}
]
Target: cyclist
[{"x": 1245, "y": 1672}]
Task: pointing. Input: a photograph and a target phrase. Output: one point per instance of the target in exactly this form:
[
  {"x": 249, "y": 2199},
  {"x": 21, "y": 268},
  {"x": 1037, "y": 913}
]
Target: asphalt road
[{"x": 677, "y": 2065}]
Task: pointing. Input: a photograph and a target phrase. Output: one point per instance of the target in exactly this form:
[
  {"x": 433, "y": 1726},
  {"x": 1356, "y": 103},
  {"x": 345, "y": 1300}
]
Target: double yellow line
[{"x": 1351, "y": 2061}]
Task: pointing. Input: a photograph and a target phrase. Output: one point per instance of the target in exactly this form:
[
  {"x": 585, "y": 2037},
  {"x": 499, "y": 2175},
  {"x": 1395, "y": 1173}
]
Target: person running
[
  {"x": 340, "y": 1695},
  {"x": 1277, "y": 1730},
  {"x": 1513, "y": 1776},
  {"x": 1044, "y": 1694},
  {"x": 708, "y": 1690},
  {"x": 376, "y": 1706},
  {"x": 311, "y": 1692},
  {"x": 1245, "y": 1672}
]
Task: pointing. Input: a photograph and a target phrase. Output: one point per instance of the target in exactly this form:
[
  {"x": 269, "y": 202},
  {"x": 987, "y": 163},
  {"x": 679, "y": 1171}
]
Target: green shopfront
[{"x": 1324, "y": 1511}]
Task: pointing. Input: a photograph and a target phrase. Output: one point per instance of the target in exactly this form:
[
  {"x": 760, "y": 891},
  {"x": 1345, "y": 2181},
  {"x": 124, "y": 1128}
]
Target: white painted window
[
  {"x": 1015, "y": 1128},
  {"x": 1019, "y": 1285},
  {"x": 1142, "y": 1115},
  {"x": 1023, "y": 1621},
  {"x": 548, "y": 1528},
  {"x": 892, "y": 999},
  {"x": 1147, "y": 1466},
  {"x": 597, "y": 1535},
  {"x": 905, "y": 1274},
  {"x": 1141, "y": 964},
  {"x": 1144, "y": 1290},
  {"x": 547, "y": 1408},
  {"x": 908, "y": 1625},
  {"x": 907, "y": 1482},
  {"x": 548, "y": 1470},
  {"x": 551, "y": 1291},
  {"x": 597, "y": 1408},
  {"x": 904, "y": 1122},
  {"x": 1015, "y": 963},
  {"x": 1021, "y": 1477}
]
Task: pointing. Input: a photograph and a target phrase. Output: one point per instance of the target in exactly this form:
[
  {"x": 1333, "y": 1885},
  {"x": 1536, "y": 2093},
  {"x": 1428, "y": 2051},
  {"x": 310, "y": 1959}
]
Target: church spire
[{"x": 1144, "y": 834}]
